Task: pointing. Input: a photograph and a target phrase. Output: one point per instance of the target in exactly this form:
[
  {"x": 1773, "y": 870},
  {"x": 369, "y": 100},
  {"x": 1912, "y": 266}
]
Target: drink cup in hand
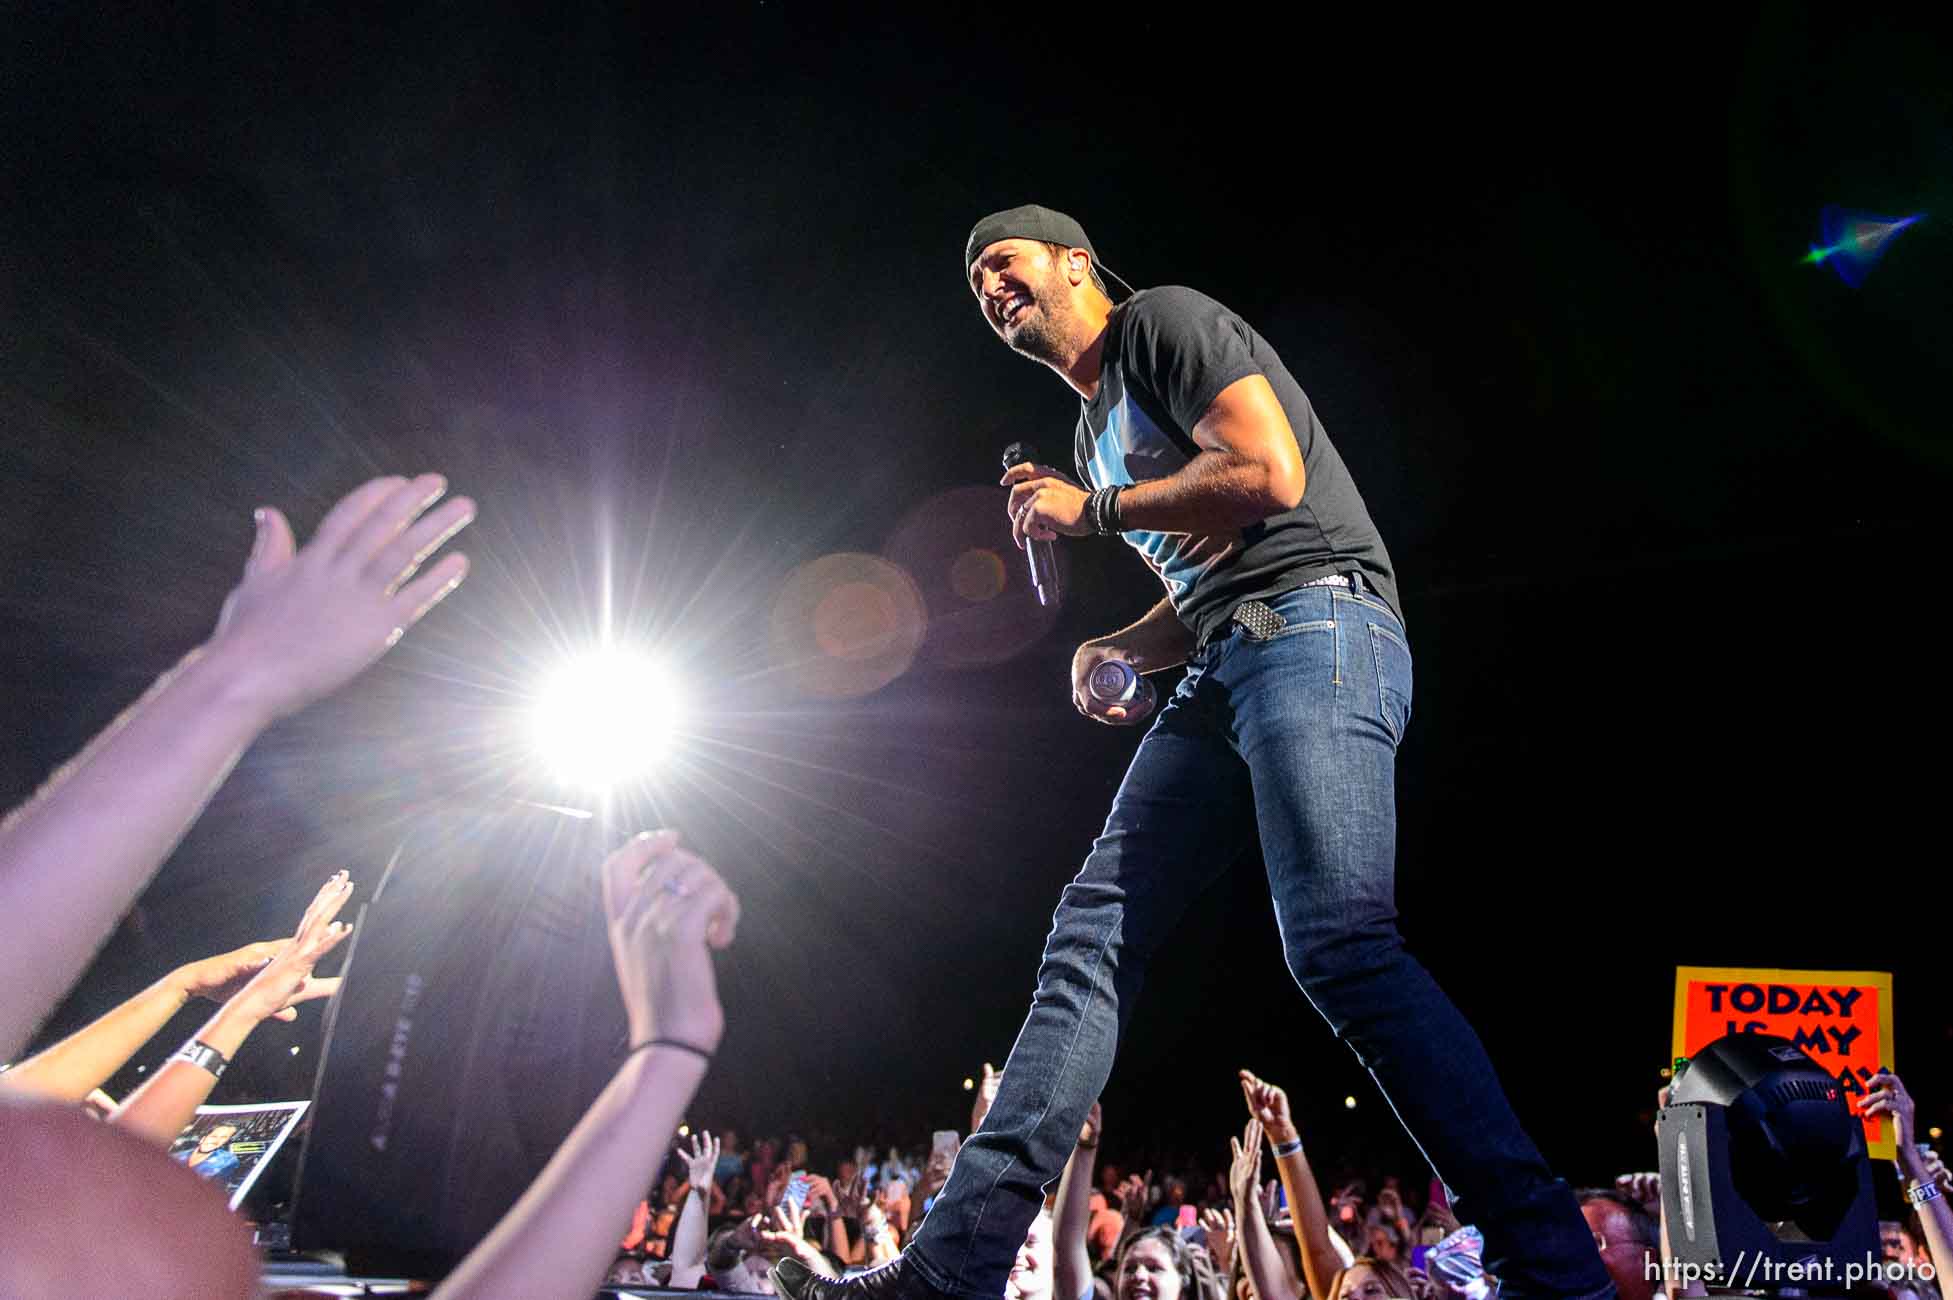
[{"x": 1114, "y": 681}]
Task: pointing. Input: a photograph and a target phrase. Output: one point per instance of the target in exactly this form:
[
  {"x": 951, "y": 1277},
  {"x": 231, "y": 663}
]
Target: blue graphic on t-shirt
[{"x": 1131, "y": 449}]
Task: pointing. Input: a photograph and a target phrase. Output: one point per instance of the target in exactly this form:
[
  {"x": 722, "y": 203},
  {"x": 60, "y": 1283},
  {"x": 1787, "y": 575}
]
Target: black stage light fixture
[{"x": 1764, "y": 1172}]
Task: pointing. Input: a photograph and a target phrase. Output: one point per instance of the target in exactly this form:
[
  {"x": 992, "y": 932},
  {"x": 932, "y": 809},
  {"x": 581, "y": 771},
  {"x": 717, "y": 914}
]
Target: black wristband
[
  {"x": 1099, "y": 509},
  {"x": 204, "y": 1057},
  {"x": 1113, "y": 524},
  {"x": 699, "y": 1052}
]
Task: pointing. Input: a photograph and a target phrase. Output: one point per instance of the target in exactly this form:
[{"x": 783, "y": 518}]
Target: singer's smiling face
[{"x": 1021, "y": 287}]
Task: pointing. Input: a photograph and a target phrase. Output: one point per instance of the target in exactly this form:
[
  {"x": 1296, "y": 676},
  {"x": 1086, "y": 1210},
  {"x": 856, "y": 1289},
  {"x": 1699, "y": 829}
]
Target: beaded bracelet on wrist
[{"x": 1103, "y": 509}]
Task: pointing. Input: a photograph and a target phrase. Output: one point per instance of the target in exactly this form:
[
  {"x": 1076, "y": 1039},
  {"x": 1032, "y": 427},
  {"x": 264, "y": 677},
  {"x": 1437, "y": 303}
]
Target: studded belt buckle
[{"x": 1260, "y": 621}]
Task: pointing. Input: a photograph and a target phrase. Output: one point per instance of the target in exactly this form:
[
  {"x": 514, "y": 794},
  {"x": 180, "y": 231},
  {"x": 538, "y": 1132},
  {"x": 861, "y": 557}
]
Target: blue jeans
[{"x": 1295, "y": 734}]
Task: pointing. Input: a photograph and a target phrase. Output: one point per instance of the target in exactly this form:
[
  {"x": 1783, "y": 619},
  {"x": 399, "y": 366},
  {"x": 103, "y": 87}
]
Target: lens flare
[
  {"x": 977, "y": 575},
  {"x": 1854, "y": 242},
  {"x": 973, "y": 581},
  {"x": 847, "y": 625}
]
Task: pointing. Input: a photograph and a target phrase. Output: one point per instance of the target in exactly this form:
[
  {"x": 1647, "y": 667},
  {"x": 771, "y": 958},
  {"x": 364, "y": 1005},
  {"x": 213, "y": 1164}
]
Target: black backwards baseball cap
[{"x": 1032, "y": 221}]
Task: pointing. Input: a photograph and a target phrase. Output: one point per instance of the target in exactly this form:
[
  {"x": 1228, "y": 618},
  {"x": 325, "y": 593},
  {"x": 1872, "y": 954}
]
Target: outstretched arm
[
  {"x": 783, "y": 1232},
  {"x": 1071, "y": 1221},
  {"x": 161, "y": 1107},
  {"x": 1888, "y": 1096},
  {"x": 1260, "y": 1259},
  {"x": 300, "y": 625},
  {"x": 986, "y": 1095},
  {"x": 79, "y": 1064},
  {"x": 666, "y": 909},
  {"x": 1320, "y": 1261},
  {"x": 688, "y": 1236}
]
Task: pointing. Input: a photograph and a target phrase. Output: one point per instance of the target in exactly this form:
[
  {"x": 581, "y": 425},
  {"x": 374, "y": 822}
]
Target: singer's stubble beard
[{"x": 1045, "y": 337}]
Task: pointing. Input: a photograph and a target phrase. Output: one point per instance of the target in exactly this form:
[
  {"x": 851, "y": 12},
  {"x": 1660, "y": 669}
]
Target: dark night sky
[{"x": 681, "y": 292}]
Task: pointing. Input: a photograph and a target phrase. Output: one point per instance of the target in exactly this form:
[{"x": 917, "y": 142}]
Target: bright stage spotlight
[{"x": 606, "y": 718}]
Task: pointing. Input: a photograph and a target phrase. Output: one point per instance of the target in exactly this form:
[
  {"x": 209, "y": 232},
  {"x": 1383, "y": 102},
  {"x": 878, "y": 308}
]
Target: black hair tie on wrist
[{"x": 699, "y": 1052}]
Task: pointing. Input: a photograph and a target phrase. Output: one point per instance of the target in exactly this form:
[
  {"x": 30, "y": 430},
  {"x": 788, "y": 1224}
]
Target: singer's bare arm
[
  {"x": 1158, "y": 640},
  {"x": 1249, "y": 467}
]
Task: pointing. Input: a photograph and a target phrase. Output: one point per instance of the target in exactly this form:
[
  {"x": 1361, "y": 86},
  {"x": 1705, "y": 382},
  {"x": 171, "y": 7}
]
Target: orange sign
[{"x": 1841, "y": 1019}]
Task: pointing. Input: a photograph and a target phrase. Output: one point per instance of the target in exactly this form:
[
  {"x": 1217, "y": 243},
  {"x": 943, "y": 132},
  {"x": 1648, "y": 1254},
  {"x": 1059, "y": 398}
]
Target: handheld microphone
[{"x": 1043, "y": 558}]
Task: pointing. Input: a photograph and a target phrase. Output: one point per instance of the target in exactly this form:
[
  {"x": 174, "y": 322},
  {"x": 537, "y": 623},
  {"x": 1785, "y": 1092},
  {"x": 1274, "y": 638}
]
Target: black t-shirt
[{"x": 1169, "y": 353}]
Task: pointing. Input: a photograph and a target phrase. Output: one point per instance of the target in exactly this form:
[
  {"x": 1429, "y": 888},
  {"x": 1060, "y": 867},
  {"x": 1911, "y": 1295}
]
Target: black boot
[{"x": 892, "y": 1281}]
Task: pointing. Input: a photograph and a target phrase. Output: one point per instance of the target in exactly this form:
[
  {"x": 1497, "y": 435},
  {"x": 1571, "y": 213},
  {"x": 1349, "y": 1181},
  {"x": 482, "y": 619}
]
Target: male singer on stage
[{"x": 1198, "y": 447}]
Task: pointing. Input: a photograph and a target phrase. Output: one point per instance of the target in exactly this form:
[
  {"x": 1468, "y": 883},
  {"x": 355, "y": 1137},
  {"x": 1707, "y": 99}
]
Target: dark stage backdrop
[{"x": 677, "y": 299}]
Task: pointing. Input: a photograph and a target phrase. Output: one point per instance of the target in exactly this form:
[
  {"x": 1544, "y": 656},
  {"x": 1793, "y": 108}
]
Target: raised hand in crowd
[
  {"x": 74, "y": 1069},
  {"x": 1270, "y": 1106},
  {"x": 1261, "y": 1259},
  {"x": 688, "y": 1235},
  {"x": 1390, "y": 1204},
  {"x": 895, "y": 1202},
  {"x": 1934, "y": 1166},
  {"x": 880, "y": 1242},
  {"x": 821, "y": 1197},
  {"x": 1218, "y": 1225},
  {"x": 1923, "y": 1190},
  {"x": 1071, "y": 1217},
  {"x": 849, "y": 1196},
  {"x": 823, "y": 1201},
  {"x": 701, "y": 1162},
  {"x": 667, "y": 911},
  {"x": 783, "y": 1232},
  {"x": 298, "y": 626},
  {"x": 776, "y": 1185},
  {"x": 986, "y": 1095},
  {"x": 854, "y": 1197},
  {"x": 1644, "y": 1189},
  {"x": 1346, "y": 1205},
  {"x": 160, "y": 1108},
  {"x": 1244, "y": 1171}
]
